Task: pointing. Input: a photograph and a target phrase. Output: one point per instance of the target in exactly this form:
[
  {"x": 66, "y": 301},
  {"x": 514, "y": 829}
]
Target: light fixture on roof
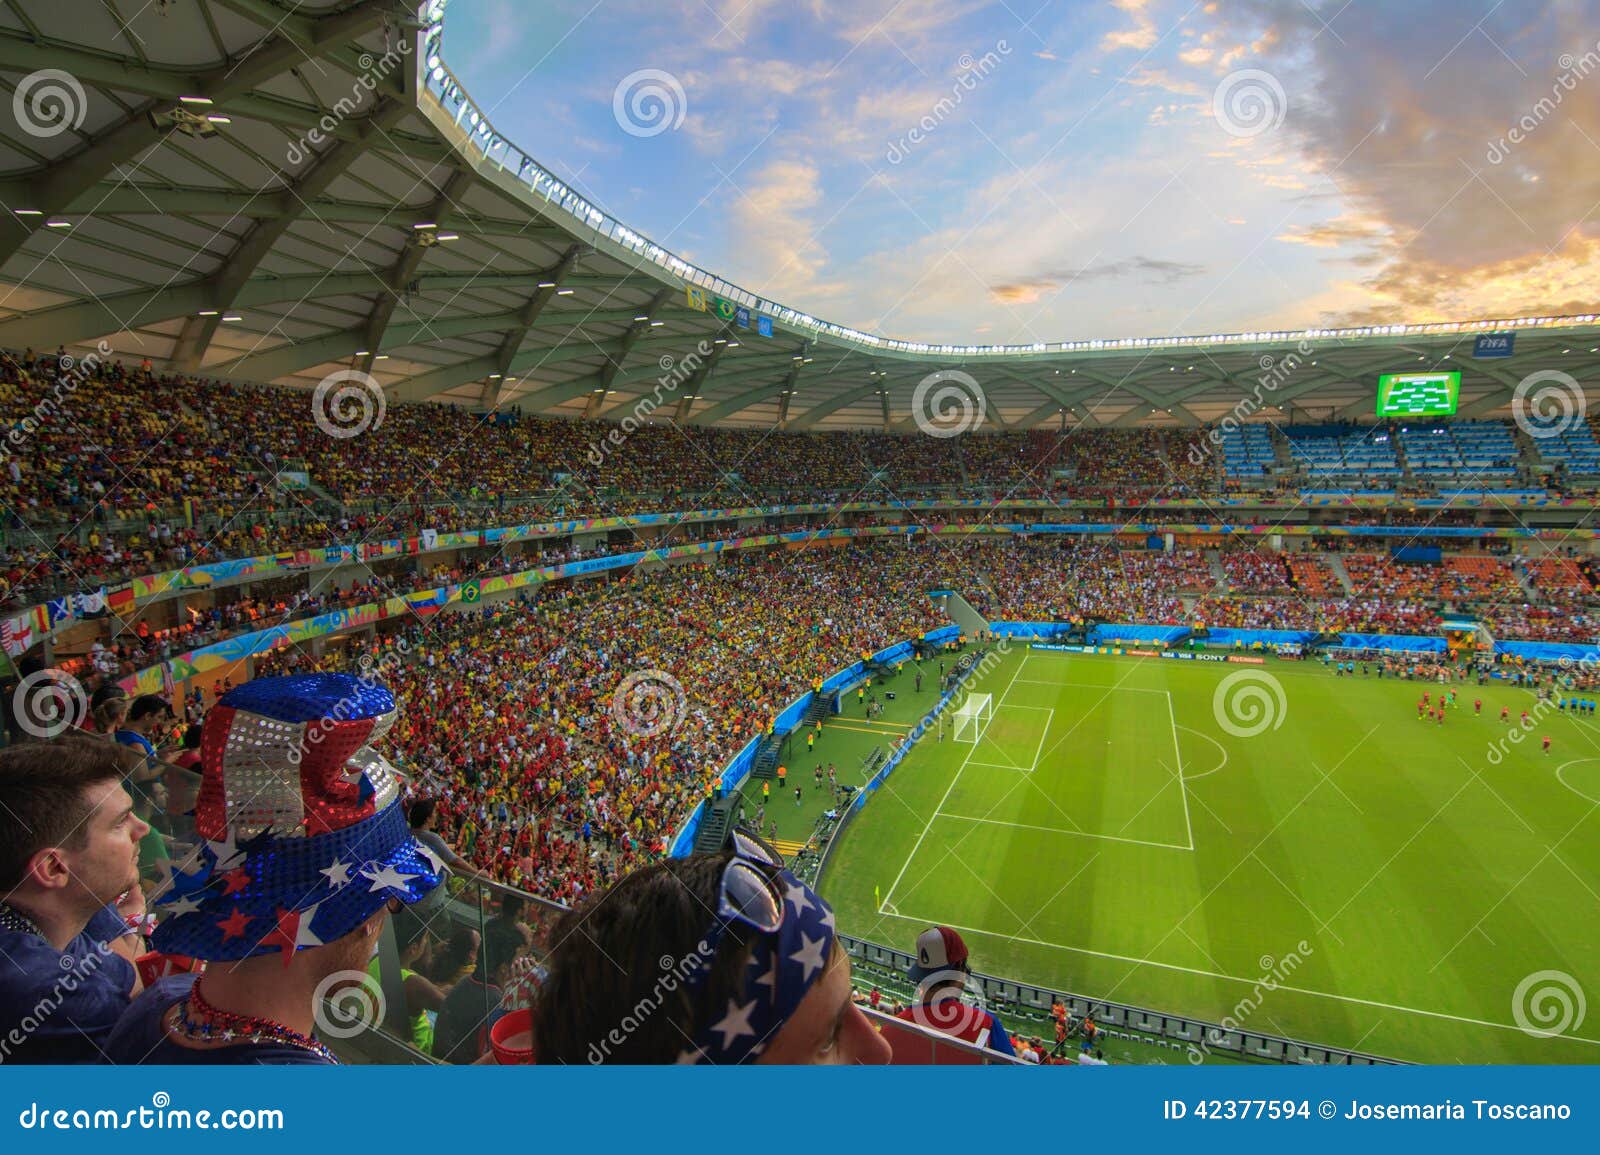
[
  {"x": 420, "y": 225},
  {"x": 642, "y": 317},
  {"x": 57, "y": 223},
  {"x": 657, "y": 324},
  {"x": 218, "y": 118},
  {"x": 547, "y": 284},
  {"x": 180, "y": 119},
  {"x": 565, "y": 292},
  {"x": 494, "y": 376},
  {"x": 381, "y": 357},
  {"x": 449, "y": 236},
  {"x": 29, "y": 212},
  {"x": 361, "y": 352},
  {"x": 209, "y": 313},
  {"x": 232, "y": 317},
  {"x": 194, "y": 100}
]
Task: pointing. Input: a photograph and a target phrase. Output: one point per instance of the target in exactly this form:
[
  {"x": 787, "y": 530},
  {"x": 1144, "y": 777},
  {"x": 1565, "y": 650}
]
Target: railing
[
  {"x": 174, "y": 582},
  {"x": 515, "y": 935},
  {"x": 1193, "y": 1040}
]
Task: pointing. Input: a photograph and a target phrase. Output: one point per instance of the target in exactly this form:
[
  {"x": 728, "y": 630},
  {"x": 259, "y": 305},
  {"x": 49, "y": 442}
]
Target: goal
[{"x": 973, "y": 716}]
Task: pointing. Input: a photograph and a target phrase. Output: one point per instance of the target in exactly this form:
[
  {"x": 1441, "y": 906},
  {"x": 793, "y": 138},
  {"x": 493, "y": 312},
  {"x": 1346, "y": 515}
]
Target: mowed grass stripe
[{"x": 1417, "y": 872}]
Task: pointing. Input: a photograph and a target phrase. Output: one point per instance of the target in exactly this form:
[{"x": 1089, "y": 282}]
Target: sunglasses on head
[{"x": 749, "y": 894}]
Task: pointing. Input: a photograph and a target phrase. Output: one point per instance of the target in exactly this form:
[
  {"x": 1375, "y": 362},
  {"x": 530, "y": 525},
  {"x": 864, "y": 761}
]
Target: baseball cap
[{"x": 938, "y": 949}]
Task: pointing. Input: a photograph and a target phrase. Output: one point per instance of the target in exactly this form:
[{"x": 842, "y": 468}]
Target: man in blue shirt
[{"x": 69, "y": 848}]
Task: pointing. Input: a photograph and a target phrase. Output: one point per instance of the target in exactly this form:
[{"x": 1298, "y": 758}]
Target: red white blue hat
[
  {"x": 939, "y": 949},
  {"x": 305, "y": 836}
]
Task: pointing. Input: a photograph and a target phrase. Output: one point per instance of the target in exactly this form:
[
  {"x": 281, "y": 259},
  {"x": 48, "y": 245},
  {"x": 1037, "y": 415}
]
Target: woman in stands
[{"x": 720, "y": 958}]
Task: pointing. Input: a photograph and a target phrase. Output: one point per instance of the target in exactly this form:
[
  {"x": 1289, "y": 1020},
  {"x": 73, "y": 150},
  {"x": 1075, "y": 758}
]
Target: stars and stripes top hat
[{"x": 305, "y": 835}]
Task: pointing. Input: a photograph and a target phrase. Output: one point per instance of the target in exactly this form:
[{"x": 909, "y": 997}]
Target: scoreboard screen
[{"x": 1418, "y": 394}]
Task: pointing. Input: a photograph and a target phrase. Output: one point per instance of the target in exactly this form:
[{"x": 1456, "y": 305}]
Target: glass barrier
[{"x": 448, "y": 970}]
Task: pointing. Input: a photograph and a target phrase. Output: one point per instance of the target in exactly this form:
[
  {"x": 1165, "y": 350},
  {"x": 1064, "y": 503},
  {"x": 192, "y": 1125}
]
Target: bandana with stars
[{"x": 782, "y": 969}]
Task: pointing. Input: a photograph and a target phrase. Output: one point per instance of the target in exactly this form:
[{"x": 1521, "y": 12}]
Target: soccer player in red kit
[
  {"x": 1505, "y": 713},
  {"x": 1477, "y": 707},
  {"x": 1547, "y": 743}
]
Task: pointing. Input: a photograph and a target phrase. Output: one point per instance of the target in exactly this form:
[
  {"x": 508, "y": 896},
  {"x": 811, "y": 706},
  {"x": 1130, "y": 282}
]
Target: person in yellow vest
[
  {"x": 811, "y": 741},
  {"x": 861, "y": 695},
  {"x": 766, "y": 792}
]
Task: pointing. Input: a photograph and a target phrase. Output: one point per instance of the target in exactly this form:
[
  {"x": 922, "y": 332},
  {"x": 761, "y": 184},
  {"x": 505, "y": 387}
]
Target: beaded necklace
[{"x": 199, "y": 1020}]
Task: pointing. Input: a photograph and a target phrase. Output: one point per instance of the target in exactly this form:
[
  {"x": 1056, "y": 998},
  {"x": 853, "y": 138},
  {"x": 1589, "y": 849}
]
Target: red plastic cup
[{"x": 511, "y": 1038}]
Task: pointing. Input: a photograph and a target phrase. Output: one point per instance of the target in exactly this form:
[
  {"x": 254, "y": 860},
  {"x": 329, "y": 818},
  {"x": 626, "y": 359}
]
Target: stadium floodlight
[{"x": 973, "y": 716}]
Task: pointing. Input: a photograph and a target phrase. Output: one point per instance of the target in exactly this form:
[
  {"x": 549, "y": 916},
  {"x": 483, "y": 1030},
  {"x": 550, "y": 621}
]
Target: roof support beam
[
  {"x": 62, "y": 183},
  {"x": 748, "y": 371},
  {"x": 526, "y": 317},
  {"x": 189, "y": 352},
  {"x": 80, "y": 321},
  {"x": 631, "y": 337},
  {"x": 844, "y": 400},
  {"x": 527, "y": 362},
  {"x": 148, "y": 199},
  {"x": 286, "y": 360},
  {"x": 406, "y": 265}
]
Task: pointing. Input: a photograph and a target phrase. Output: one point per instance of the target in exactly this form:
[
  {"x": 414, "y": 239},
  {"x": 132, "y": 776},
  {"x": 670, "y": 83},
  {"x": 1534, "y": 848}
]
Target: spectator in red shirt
[{"x": 941, "y": 973}]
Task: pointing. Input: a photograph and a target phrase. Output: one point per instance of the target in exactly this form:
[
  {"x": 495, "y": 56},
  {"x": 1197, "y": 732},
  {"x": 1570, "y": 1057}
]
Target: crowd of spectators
[
  {"x": 1255, "y": 572},
  {"x": 540, "y": 782}
]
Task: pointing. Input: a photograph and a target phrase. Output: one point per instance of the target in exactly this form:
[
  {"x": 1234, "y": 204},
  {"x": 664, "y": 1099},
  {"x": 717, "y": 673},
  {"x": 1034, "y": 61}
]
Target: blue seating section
[
  {"x": 1328, "y": 451},
  {"x": 1476, "y": 450},
  {"x": 1575, "y": 447},
  {"x": 1247, "y": 451}
]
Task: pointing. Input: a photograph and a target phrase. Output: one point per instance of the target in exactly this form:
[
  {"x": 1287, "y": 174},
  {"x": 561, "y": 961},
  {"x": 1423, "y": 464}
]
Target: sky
[{"x": 1016, "y": 171}]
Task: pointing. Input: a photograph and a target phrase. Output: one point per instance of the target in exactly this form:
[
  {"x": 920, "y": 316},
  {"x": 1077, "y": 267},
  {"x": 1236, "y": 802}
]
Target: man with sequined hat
[{"x": 304, "y": 848}]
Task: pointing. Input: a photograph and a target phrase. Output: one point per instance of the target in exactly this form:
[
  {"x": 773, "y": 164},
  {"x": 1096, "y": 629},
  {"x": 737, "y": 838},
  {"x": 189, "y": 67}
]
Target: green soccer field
[{"x": 1271, "y": 843}]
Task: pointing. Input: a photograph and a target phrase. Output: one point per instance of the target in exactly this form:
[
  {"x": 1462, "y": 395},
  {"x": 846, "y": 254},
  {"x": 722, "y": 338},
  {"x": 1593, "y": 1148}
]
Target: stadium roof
[{"x": 276, "y": 192}]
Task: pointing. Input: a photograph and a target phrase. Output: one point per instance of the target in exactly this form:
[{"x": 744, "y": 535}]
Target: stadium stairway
[
  {"x": 719, "y": 819},
  {"x": 1218, "y": 574},
  {"x": 766, "y": 763},
  {"x": 1280, "y": 447},
  {"x": 961, "y": 612},
  {"x": 1529, "y": 594},
  {"x": 1336, "y": 564}
]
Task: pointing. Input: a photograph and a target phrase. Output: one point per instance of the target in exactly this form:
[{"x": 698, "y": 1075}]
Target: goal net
[{"x": 972, "y": 717}]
